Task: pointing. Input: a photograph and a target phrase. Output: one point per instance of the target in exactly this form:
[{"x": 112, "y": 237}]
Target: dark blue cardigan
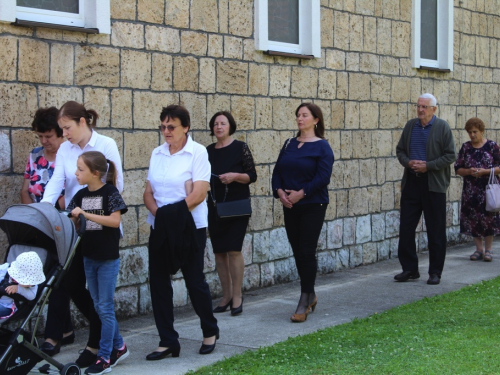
[{"x": 308, "y": 167}]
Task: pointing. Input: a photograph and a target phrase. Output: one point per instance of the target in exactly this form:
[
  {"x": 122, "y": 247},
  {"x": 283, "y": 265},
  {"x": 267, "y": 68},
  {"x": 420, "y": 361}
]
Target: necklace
[
  {"x": 301, "y": 138},
  {"x": 479, "y": 144}
]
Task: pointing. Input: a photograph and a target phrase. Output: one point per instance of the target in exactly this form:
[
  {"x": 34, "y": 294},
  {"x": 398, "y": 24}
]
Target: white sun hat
[{"x": 27, "y": 269}]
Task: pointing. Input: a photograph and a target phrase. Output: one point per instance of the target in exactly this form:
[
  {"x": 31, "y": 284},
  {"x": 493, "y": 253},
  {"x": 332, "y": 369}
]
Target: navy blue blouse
[{"x": 308, "y": 167}]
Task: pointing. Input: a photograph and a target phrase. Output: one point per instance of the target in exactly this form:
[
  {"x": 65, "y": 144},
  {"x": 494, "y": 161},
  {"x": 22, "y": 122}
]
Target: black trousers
[
  {"x": 415, "y": 199},
  {"x": 162, "y": 294},
  {"x": 73, "y": 285},
  {"x": 58, "y": 315},
  {"x": 303, "y": 225}
]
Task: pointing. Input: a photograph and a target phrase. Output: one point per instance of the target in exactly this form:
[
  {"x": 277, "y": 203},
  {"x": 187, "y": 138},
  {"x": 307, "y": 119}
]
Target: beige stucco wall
[{"x": 200, "y": 53}]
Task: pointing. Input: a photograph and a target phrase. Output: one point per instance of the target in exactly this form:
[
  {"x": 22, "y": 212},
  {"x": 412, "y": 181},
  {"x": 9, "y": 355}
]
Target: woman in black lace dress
[
  {"x": 475, "y": 160},
  {"x": 233, "y": 170}
]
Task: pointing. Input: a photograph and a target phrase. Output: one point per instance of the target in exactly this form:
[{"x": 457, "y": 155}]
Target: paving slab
[{"x": 342, "y": 296}]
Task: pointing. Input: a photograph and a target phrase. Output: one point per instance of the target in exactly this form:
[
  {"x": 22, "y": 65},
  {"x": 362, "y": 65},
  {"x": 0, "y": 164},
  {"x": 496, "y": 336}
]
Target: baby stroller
[{"x": 37, "y": 227}]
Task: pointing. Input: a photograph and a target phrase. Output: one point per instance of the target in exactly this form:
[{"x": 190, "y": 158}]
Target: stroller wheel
[{"x": 70, "y": 369}]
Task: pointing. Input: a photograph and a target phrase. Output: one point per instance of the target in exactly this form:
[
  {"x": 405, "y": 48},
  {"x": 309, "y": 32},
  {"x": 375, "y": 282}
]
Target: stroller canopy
[{"x": 42, "y": 225}]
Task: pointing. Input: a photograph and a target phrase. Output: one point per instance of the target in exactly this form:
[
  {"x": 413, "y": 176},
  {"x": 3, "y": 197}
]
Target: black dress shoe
[
  {"x": 237, "y": 310},
  {"x": 406, "y": 275},
  {"x": 434, "y": 279},
  {"x": 70, "y": 339},
  {"x": 207, "y": 349},
  {"x": 221, "y": 309},
  {"x": 155, "y": 356},
  {"x": 50, "y": 349}
]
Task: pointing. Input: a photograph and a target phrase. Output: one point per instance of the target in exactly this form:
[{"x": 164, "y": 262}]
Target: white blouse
[
  {"x": 66, "y": 158},
  {"x": 168, "y": 174}
]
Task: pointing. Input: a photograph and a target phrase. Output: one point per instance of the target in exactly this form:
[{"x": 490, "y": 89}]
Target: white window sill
[
  {"x": 287, "y": 54},
  {"x": 24, "y": 23}
]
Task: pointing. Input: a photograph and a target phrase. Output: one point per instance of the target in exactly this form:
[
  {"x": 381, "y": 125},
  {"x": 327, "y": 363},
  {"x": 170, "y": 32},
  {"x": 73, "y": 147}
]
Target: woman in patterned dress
[
  {"x": 39, "y": 170},
  {"x": 41, "y": 161},
  {"x": 475, "y": 160}
]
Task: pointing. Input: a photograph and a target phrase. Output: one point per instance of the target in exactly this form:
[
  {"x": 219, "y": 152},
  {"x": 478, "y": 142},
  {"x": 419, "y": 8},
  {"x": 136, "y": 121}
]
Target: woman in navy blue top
[{"x": 300, "y": 180}]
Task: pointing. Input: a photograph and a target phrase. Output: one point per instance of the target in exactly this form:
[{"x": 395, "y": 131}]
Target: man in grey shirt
[{"x": 426, "y": 149}]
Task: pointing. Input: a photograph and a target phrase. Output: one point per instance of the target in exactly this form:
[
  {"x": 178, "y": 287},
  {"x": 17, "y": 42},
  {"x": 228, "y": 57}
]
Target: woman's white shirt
[
  {"x": 64, "y": 172},
  {"x": 168, "y": 173}
]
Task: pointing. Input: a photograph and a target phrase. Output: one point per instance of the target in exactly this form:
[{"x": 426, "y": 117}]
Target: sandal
[
  {"x": 478, "y": 255},
  {"x": 487, "y": 256}
]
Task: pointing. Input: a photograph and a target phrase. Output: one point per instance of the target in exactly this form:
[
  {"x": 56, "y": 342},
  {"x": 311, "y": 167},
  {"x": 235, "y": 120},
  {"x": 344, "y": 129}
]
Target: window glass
[
  {"x": 283, "y": 19},
  {"x": 68, "y": 6},
  {"x": 429, "y": 29}
]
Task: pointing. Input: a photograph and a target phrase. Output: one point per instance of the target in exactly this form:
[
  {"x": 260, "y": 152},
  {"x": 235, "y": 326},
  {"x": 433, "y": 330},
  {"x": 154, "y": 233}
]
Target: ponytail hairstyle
[
  {"x": 97, "y": 163},
  {"x": 75, "y": 111}
]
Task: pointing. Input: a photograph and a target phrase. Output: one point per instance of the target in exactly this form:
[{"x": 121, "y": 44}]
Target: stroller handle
[
  {"x": 83, "y": 225},
  {"x": 83, "y": 222}
]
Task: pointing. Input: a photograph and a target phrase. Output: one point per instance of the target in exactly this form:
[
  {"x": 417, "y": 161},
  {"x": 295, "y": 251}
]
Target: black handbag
[{"x": 239, "y": 208}]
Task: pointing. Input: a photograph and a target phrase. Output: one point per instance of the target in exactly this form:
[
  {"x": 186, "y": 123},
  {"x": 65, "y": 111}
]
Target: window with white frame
[
  {"x": 432, "y": 34},
  {"x": 83, "y": 14},
  {"x": 288, "y": 26}
]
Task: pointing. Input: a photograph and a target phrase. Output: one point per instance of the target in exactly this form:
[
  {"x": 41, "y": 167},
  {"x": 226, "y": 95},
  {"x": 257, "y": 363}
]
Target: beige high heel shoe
[{"x": 300, "y": 318}]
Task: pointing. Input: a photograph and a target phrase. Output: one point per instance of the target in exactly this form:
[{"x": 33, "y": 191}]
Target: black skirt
[{"x": 226, "y": 234}]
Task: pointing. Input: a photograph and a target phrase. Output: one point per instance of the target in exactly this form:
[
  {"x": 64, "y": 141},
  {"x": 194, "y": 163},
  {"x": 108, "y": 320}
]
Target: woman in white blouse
[
  {"x": 179, "y": 173},
  {"x": 78, "y": 126}
]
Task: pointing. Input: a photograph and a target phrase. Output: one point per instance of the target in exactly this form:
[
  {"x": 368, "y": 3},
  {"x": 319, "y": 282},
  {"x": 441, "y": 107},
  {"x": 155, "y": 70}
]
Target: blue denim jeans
[
  {"x": 4, "y": 311},
  {"x": 101, "y": 280}
]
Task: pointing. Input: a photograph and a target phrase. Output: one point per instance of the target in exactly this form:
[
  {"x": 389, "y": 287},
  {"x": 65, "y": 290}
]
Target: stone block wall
[{"x": 201, "y": 53}]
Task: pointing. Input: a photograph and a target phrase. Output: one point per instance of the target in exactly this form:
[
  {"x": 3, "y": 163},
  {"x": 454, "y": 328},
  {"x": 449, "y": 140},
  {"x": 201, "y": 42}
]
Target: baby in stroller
[{"x": 19, "y": 282}]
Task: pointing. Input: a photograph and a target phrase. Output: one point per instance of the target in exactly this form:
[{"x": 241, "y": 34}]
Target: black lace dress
[{"x": 228, "y": 234}]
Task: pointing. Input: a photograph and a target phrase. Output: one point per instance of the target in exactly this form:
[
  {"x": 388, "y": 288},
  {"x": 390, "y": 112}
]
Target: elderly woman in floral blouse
[
  {"x": 475, "y": 160},
  {"x": 41, "y": 161}
]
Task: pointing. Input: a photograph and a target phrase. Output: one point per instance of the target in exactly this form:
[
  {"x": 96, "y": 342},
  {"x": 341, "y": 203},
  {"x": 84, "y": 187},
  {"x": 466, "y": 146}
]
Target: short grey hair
[{"x": 429, "y": 96}]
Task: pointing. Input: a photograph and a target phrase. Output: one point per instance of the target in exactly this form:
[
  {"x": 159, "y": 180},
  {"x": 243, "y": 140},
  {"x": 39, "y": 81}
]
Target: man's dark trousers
[{"x": 416, "y": 198}]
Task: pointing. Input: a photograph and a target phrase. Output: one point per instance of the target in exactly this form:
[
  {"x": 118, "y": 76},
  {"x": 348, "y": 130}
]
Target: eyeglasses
[
  {"x": 424, "y": 106},
  {"x": 170, "y": 128}
]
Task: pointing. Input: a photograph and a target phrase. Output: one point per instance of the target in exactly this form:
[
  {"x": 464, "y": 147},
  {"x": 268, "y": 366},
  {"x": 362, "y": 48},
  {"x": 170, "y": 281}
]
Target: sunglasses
[{"x": 170, "y": 128}]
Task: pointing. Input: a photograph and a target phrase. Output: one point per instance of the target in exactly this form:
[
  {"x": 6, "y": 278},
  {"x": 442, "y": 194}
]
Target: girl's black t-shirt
[{"x": 100, "y": 242}]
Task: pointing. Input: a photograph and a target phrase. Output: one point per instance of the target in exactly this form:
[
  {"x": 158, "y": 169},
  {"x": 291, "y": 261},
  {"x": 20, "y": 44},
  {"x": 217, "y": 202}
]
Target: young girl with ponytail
[{"x": 102, "y": 206}]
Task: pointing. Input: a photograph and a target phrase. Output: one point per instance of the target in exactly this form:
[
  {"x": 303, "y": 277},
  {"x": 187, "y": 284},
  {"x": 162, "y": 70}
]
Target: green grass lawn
[{"x": 455, "y": 333}]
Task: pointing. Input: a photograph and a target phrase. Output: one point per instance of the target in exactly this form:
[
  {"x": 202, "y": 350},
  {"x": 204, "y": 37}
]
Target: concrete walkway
[{"x": 342, "y": 296}]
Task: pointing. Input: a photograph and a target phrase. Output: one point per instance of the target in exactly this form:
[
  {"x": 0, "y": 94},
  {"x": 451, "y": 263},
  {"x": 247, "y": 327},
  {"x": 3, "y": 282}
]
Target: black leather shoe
[
  {"x": 221, "y": 309},
  {"x": 406, "y": 275},
  {"x": 70, "y": 339},
  {"x": 434, "y": 279},
  {"x": 155, "y": 356},
  {"x": 86, "y": 358},
  {"x": 207, "y": 349},
  {"x": 237, "y": 310},
  {"x": 50, "y": 349}
]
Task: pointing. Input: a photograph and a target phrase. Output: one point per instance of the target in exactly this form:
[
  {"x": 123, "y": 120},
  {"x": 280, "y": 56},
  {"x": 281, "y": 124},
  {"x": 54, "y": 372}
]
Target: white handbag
[{"x": 493, "y": 193}]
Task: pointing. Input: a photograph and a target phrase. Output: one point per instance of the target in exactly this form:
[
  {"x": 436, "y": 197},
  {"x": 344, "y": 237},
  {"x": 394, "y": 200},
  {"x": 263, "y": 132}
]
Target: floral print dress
[
  {"x": 39, "y": 171},
  {"x": 475, "y": 221}
]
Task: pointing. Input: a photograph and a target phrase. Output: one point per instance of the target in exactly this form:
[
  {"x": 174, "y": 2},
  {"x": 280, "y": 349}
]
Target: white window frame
[
  {"x": 309, "y": 30},
  {"x": 94, "y": 14},
  {"x": 444, "y": 37},
  {"x": 51, "y": 16}
]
